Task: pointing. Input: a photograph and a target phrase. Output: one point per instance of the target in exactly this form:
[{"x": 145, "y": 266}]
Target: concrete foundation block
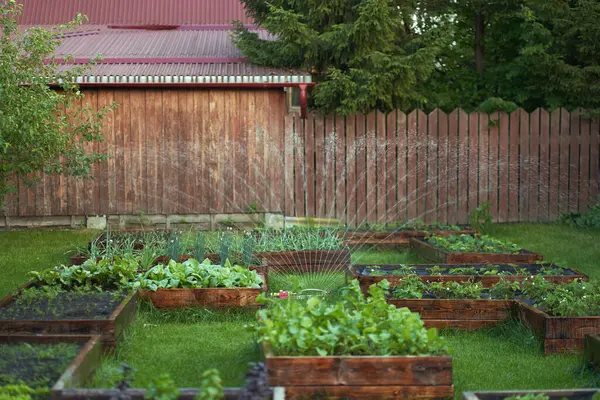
[{"x": 97, "y": 222}]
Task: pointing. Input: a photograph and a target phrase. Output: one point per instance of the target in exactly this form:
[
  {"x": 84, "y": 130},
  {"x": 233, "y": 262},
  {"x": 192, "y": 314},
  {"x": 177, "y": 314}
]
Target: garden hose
[{"x": 305, "y": 293}]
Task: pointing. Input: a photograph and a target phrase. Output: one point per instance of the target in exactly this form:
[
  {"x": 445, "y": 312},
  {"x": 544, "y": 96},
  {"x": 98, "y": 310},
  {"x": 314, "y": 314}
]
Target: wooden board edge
[{"x": 82, "y": 367}]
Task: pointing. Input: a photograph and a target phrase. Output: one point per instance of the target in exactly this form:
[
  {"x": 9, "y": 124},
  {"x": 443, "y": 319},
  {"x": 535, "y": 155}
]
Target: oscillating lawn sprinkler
[{"x": 303, "y": 294}]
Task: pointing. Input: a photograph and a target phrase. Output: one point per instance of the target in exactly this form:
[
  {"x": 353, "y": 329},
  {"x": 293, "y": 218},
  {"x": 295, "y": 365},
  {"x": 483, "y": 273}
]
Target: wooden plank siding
[{"x": 219, "y": 151}]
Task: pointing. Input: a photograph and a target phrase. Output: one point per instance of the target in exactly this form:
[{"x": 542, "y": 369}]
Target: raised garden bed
[
  {"x": 395, "y": 238},
  {"x": 204, "y": 297},
  {"x": 439, "y": 255},
  {"x": 194, "y": 284},
  {"x": 592, "y": 350},
  {"x": 461, "y": 314},
  {"x": 140, "y": 394},
  {"x": 487, "y": 274},
  {"x": 575, "y": 394},
  {"x": 560, "y": 334},
  {"x": 305, "y": 261},
  {"x": 103, "y": 314},
  {"x": 63, "y": 362},
  {"x": 361, "y": 377}
]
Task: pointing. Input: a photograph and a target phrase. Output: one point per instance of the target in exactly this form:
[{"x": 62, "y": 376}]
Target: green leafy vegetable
[
  {"x": 351, "y": 326},
  {"x": 473, "y": 244},
  {"x": 193, "y": 274}
]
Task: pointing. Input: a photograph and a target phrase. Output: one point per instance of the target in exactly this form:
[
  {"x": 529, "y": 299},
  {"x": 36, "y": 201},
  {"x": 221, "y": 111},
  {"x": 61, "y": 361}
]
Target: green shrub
[{"x": 589, "y": 220}]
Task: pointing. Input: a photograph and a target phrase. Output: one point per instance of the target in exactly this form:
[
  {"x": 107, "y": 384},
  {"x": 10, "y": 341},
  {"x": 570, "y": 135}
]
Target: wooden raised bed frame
[
  {"x": 487, "y": 280},
  {"x": 591, "y": 350},
  {"x": 560, "y": 334},
  {"x": 110, "y": 329},
  {"x": 139, "y": 394},
  {"x": 207, "y": 297},
  {"x": 578, "y": 394},
  {"x": 361, "y": 377},
  {"x": 438, "y": 255},
  {"x": 306, "y": 261},
  {"x": 461, "y": 314},
  {"x": 394, "y": 239},
  {"x": 202, "y": 297},
  {"x": 81, "y": 368}
]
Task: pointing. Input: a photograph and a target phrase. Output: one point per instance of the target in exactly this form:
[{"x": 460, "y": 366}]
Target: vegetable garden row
[{"x": 375, "y": 337}]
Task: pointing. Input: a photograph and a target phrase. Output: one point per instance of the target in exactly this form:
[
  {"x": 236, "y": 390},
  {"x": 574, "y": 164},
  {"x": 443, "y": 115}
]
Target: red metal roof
[
  {"x": 155, "y": 41},
  {"x": 193, "y": 55},
  {"x": 134, "y": 12},
  {"x": 135, "y": 43}
]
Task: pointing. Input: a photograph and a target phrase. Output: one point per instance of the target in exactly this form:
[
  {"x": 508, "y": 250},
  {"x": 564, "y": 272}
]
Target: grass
[
  {"x": 373, "y": 256},
  {"x": 24, "y": 251},
  {"x": 183, "y": 343},
  {"x": 186, "y": 343},
  {"x": 510, "y": 357},
  {"x": 578, "y": 248}
]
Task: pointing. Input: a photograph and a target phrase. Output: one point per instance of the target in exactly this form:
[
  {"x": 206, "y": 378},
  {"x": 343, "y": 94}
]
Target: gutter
[{"x": 208, "y": 85}]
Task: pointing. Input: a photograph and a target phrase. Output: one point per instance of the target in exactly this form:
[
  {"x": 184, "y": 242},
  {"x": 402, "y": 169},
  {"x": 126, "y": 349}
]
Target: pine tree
[{"x": 364, "y": 54}]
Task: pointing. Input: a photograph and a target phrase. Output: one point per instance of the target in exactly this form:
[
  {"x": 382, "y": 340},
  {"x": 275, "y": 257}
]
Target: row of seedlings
[{"x": 296, "y": 249}]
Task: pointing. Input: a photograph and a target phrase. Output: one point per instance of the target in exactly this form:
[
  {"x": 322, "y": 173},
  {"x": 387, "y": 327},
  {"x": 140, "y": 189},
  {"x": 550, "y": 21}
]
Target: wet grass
[
  {"x": 184, "y": 344},
  {"x": 24, "y": 251},
  {"x": 510, "y": 357},
  {"x": 577, "y": 248}
]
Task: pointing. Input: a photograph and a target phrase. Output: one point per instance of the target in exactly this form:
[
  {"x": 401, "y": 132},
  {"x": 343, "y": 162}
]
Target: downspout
[{"x": 303, "y": 106}]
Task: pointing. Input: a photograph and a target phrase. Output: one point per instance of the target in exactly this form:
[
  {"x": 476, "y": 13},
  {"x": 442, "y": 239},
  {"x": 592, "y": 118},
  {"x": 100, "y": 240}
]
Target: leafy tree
[
  {"x": 41, "y": 130},
  {"x": 531, "y": 53},
  {"x": 365, "y": 54}
]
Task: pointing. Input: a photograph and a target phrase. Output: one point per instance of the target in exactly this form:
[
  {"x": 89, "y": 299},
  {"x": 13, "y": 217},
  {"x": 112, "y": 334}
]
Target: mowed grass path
[{"x": 186, "y": 343}]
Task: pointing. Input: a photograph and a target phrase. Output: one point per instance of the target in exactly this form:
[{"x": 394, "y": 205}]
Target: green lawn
[
  {"x": 186, "y": 343},
  {"x": 573, "y": 247},
  {"x": 30, "y": 250}
]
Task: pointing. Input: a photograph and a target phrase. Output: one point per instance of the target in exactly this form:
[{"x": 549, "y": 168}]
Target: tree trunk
[{"x": 479, "y": 42}]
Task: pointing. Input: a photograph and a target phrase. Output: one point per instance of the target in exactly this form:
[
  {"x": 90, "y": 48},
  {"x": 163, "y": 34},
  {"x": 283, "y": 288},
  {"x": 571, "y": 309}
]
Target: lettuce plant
[
  {"x": 193, "y": 274},
  {"x": 352, "y": 325},
  {"x": 105, "y": 274}
]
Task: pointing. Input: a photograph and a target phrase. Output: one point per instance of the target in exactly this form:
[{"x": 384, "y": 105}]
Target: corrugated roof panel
[
  {"x": 159, "y": 12},
  {"x": 123, "y": 43}
]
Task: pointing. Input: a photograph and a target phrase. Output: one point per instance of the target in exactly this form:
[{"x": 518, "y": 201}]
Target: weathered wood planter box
[
  {"x": 139, "y": 394},
  {"x": 305, "y": 261},
  {"x": 394, "y": 239},
  {"x": 204, "y": 297},
  {"x": 575, "y": 394},
  {"x": 560, "y": 334},
  {"x": 592, "y": 350},
  {"x": 438, "y": 255},
  {"x": 461, "y": 314},
  {"x": 81, "y": 368},
  {"x": 361, "y": 377},
  {"x": 110, "y": 328},
  {"x": 362, "y": 274}
]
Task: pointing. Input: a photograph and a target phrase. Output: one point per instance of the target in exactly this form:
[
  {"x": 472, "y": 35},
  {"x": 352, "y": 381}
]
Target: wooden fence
[
  {"x": 440, "y": 167},
  {"x": 229, "y": 151}
]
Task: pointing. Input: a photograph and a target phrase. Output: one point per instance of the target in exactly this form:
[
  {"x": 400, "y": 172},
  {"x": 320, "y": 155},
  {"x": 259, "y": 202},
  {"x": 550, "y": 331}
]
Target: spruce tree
[{"x": 364, "y": 54}]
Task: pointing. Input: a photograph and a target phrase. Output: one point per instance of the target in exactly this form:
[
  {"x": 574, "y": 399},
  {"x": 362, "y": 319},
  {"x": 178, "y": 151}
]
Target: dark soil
[
  {"x": 62, "y": 306},
  {"x": 35, "y": 365},
  {"x": 479, "y": 270}
]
